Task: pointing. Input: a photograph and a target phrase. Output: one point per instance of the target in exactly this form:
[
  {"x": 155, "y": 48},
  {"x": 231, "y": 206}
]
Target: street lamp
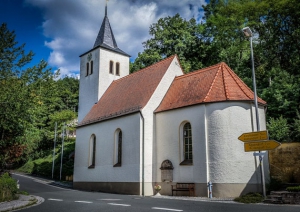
[{"x": 248, "y": 33}]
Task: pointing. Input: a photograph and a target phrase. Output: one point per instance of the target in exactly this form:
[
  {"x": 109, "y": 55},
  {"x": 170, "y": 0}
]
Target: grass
[
  {"x": 23, "y": 193},
  {"x": 250, "y": 198}
]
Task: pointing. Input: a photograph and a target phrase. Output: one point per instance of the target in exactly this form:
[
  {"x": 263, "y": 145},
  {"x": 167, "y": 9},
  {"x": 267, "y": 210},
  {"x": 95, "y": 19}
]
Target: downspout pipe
[{"x": 143, "y": 155}]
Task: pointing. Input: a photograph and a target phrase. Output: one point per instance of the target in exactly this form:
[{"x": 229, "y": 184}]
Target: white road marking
[
  {"x": 118, "y": 204},
  {"x": 166, "y": 209},
  {"x": 83, "y": 202},
  {"x": 55, "y": 199},
  {"x": 109, "y": 199}
]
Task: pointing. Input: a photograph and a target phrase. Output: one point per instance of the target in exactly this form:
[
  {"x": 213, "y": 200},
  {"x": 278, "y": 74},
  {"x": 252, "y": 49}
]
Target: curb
[
  {"x": 204, "y": 199},
  {"x": 21, "y": 203}
]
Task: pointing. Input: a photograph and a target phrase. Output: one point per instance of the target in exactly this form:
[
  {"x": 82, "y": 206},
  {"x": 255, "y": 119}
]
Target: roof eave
[
  {"x": 111, "y": 49},
  {"x": 106, "y": 118},
  {"x": 200, "y": 103}
]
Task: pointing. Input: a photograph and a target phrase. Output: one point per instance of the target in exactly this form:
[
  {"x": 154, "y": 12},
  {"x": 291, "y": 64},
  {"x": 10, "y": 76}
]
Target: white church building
[{"x": 161, "y": 126}]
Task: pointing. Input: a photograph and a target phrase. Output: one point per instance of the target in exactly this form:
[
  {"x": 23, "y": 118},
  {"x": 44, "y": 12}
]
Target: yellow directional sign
[
  {"x": 261, "y": 145},
  {"x": 254, "y": 136}
]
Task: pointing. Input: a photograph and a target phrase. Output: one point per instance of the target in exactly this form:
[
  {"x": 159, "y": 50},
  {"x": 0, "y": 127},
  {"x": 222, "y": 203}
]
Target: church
[{"x": 161, "y": 126}]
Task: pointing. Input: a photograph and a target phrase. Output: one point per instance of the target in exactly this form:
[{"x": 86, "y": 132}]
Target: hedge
[
  {"x": 293, "y": 189},
  {"x": 8, "y": 188}
]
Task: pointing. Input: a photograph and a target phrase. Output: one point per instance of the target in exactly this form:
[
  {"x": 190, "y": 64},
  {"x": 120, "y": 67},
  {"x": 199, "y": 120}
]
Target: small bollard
[{"x": 209, "y": 185}]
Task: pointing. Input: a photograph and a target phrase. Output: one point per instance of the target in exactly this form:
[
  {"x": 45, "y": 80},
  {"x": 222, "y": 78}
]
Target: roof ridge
[
  {"x": 238, "y": 81},
  {"x": 213, "y": 82},
  {"x": 198, "y": 71},
  {"x": 146, "y": 68},
  {"x": 224, "y": 82}
]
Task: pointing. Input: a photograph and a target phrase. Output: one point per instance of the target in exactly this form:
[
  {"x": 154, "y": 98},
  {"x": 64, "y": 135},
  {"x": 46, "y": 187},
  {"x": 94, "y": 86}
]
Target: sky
[{"x": 58, "y": 31}]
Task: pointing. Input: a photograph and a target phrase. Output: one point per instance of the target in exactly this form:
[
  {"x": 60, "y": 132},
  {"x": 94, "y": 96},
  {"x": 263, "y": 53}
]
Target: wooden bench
[{"x": 190, "y": 187}]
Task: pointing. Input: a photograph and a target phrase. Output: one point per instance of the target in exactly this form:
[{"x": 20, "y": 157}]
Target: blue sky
[{"x": 58, "y": 31}]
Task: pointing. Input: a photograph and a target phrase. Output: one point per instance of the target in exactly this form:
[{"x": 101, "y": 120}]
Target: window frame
[
  {"x": 92, "y": 67},
  {"x": 186, "y": 149},
  {"x": 117, "y": 69},
  {"x": 111, "y": 67},
  {"x": 92, "y": 152},
  {"x": 87, "y": 69},
  {"x": 118, "y": 148}
]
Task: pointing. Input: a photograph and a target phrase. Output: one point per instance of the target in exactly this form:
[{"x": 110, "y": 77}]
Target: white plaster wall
[
  {"x": 105, "y": 78},
  {"x": 228, "y": 162},
  {"x": 104, "y": 170},
  {"x": 88, "y": 93},
  {"x": 173, "y": 71},
  {"x": 218, "y": 155},
  {"x": 92, "y": 87},
  {"x": 167, "y": 145}
]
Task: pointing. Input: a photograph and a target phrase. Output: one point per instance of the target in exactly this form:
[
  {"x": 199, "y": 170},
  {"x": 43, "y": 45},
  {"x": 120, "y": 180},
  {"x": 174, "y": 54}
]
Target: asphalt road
[{"x": 66, "y": 200}]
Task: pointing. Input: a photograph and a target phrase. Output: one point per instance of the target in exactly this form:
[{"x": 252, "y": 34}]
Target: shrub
[
  {"x": 274, "y": 184},
  {"x": 250, "y": 198},
  {"x": 293, "y": 189},
  {"x": 278, "y": 129},
  {"x": 8, "y": 188}
]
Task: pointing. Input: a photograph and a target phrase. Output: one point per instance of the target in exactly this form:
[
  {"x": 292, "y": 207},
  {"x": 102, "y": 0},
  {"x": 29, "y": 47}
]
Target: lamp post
[{"x": 248, "y": 33}]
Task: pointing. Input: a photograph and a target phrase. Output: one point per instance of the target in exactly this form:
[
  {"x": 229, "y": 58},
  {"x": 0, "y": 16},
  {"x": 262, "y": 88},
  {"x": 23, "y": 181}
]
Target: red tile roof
[
  {"x": 128, "y": 94},
  {"x": 212, "y": 84}
]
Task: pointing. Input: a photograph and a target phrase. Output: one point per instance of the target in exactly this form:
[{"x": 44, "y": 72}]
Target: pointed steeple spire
[
  {"x": 106, "y": 36},
  {"x": 106, "y": 8}
]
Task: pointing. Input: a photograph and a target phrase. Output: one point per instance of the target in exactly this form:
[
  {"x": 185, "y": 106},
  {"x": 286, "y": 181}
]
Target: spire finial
[{"x": 106, "y": 7}]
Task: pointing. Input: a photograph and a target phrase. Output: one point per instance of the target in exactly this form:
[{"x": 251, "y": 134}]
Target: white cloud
[{"x": 72, "y": 25}]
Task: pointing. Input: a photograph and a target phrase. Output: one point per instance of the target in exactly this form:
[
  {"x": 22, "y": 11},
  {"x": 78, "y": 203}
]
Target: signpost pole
[
  {"x": 257, "y": 120},
  {"x": 62, "y": 150},
  {"x": 54, "y": 149}
]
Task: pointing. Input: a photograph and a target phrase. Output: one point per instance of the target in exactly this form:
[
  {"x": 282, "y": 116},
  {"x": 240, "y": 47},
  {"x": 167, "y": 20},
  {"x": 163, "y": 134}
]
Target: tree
[
  {"x": 18, "y": 98},
  {"x": 173, "y": 35}
]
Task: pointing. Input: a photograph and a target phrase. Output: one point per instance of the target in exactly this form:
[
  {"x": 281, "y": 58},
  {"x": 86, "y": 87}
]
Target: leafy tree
[
  {"x": 297, "y": 126},
  {"x": 278, "y": 129},
  {"x": 68, "y": 92},
  {"x": 173, "y": 35},
  {"x": 17, "y": 98},
  {"x": 282, "y": 94},
  {"x": 31, "y": 100}
]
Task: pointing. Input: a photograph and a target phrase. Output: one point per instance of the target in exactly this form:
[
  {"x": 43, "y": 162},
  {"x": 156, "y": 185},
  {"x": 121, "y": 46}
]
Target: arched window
[
  {"x": 92, "y": 153},
  {"x": 87, "y": 69},
  {"x": 111, "y": 67},
  {"x": 118, "y": 69},
  {"x": 186, "y": 144},
  {"x": 118, "y": 146},
  {"x": 92, "y": 67}
]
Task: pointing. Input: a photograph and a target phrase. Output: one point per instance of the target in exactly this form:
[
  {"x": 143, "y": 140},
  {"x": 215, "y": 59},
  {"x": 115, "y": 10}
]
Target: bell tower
[{"x": 99, "y": 66}]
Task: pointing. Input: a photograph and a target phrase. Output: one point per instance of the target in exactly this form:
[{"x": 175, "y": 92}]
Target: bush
[
  {"x": 8, "y": 188},
  {"x": 274, "y": 184},
  {"x": 293, "y": 189},
  {"x": 278, "y": 129},
  {"x": 43, "y": 166},
  {"x": 250, "y": 198}
]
